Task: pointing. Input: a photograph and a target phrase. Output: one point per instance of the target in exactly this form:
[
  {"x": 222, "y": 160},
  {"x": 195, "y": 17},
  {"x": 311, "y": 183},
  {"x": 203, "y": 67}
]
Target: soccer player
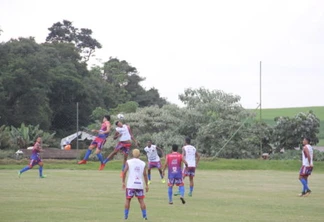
[
  {"x": 307, "y": 167},
  {"x": 135, "y": 185},
  {"x": 98, "y": 142},
  {"x": 35, "y": 159},
  {"x": 192, "y": 157},
  {"x": 173, "y": 163},
  {"x": 125, "y": 135},
  {"x": 153, "y": 159}
]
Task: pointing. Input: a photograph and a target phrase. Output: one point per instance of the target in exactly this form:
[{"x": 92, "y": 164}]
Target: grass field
[
  {"x": 268, "y": 116},
  {"x": 219, "y": 195}
]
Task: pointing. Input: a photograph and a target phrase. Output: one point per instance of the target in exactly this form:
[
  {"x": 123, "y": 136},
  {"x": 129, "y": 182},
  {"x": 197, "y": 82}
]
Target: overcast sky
[{"x": 177, "y": 44}]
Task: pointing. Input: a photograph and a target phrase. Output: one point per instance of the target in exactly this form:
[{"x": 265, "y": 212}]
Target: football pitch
[{"x": 90, "y": 195}]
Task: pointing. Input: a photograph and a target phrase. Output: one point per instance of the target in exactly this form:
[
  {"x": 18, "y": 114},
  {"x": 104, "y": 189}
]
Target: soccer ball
[{"x": 120, "y": 116}]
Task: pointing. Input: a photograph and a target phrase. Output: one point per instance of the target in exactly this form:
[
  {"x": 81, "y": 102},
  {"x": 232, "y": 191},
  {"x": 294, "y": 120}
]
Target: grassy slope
[
  {"x": 268, "y": 116},
  {"x": 88, "y": 195}
]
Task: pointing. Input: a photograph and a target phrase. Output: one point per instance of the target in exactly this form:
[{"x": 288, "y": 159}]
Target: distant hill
[
  {"x": 272, "y": 113},
  {"x": 268, "y": 116}
]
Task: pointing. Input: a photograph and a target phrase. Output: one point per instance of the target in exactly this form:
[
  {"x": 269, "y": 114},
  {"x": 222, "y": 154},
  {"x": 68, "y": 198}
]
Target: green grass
[
  {"x": 217, "y": 164},
  {"x": 91, "y": 195},
  {"x": 268, "y": 116}
]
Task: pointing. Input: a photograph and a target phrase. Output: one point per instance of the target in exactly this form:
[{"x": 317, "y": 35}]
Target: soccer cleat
[
  {"x": 43, "y": 176},
  {"x": 102, "y": 166},
  {"x": 145, "y": 218},
  {"x": 307, "y": 193},
  {"x": 19, "y": 174},
  {"x": 149, "y": 182},
  {"x": 301, "y": 194},
  {"x": 126, "y": 218},
  {"x": 176, "y": 193},
  {"x": 163, "y": 180},
  {"x": 190, "y": 194},
  {"x": 182, "y": 200},
  {"x": 170, "y": 203},
  {"x": 82, "y": 162}
]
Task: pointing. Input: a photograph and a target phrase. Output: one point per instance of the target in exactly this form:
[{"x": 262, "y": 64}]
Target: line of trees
[{"x": 40, "y": 83}]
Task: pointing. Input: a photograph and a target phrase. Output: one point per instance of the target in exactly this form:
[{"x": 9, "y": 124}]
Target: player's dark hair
[
  {"x": 107, "y": 117},
  {"x": 175, "y": 147},
  {"x": 308, "y": 139},
  {"x": 116, "y": 123},
  {"x": 187, "y": 140}
]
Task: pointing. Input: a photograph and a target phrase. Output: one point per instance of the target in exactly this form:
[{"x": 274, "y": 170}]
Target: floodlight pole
[{"x": 261, "y": 105}]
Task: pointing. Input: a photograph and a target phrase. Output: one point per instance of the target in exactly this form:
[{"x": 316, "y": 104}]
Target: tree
[
  {"x": 81, "y": 38},
  {"x": 24, "y": 83},
  {"x": 289, "y": 132},
  {"x": 219, "y": 115}
]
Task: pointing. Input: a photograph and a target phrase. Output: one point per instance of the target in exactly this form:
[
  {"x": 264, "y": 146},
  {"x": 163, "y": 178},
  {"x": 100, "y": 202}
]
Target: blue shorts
[
  {"x": 175, "y": 181},
  {"x": 34, "y": 160},
  {"x": 123, "y": 147},
  {"x": 130, "y": 193},
  {"x": 305, "y": 171},
  {"x": 98, "y": 142},
  {"x": 154, "y": 165},
  {"x": 190, "y": 171}
]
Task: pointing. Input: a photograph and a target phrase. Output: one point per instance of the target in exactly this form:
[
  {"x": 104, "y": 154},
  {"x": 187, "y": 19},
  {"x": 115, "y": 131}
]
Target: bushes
[
  {"x": 5, "y": 154},
  {"x": 296, "y": 155}
]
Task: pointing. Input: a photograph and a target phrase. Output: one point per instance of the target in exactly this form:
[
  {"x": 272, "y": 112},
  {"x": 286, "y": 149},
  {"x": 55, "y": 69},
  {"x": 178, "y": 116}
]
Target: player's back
[
  {"x": 190, "y": 155},
  {"x": 174, "y": 165},
  {"x": 135, "y": 177}
]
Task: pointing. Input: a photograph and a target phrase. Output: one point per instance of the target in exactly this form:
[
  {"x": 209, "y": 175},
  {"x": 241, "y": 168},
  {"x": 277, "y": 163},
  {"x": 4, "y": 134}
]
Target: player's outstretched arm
[
  {"x": 160, "y": 151},
  {"x": 197, "y": 158},
  {"x": 132, "y": 136},
  {"x": 116, "y": 135}
]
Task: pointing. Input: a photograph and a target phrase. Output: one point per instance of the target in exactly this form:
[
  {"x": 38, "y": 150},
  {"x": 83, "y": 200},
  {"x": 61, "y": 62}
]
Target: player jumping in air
[
  {"x": 124, "y": 133},
  {"x": 153, "y": 159},
  {"x": 192, "y": 157},
  {"x": 173, "y": 163},
  {"x": 98, "y": 142},
  {"x": 35, "y": 159},
  {"x": 135, "y": 185},
  {"x": 307, "y": 167}
]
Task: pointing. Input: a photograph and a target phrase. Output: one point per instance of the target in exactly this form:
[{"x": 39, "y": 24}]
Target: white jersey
[
  {"x": 305, "y": 159},
  {"x": 135, "y": 173},
  {"x": 152, "y": 154},
  {"x": 190, "y": 155},
  {"x": 124, "y": 132}
]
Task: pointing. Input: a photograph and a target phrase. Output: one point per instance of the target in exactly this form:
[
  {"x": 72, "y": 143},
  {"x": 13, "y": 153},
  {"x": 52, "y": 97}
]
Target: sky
[{"x": 180, "y": 44}]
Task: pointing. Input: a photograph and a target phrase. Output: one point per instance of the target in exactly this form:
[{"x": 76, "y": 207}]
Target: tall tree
[
  {"x": 126, "y": 81},
  {"x": 289, "y": 132},
  {"x": 23, "y": 80},
  {"x": 81, "y": 38}
]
